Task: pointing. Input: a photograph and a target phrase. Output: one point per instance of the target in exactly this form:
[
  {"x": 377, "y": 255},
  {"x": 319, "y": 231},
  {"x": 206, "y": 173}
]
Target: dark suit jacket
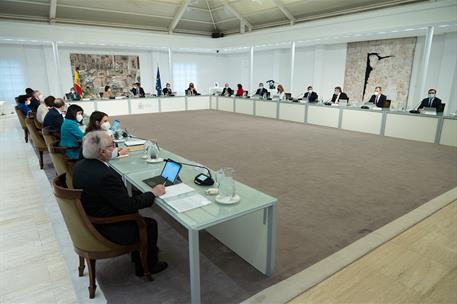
[
  {"x": 426, "y": 103},
  {"x": 311, "y": 98},
  {"x": 342, "y": 96},
  {"x": 227, "y": 91},
  {"x": 134, "y": 92},
  {"x": 74, "y": 96},
  {"x": 53, "y": 120},
  {"x": 381, "y": 101},
  {"x": 167, "y": 92},
  {"x": 104, "y": 194},
  {"x": 34, "y": 104},
  {"x": 261, "y": 92}
]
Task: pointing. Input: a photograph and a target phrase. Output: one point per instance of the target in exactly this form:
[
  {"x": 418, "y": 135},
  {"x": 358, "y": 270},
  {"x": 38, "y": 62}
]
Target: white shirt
[
  {"x": 282, "y": 96},
  {"x": 41, "y": 112}
]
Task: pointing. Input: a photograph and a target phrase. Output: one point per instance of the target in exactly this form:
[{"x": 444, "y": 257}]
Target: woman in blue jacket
[{"x": 70, "y": 133}]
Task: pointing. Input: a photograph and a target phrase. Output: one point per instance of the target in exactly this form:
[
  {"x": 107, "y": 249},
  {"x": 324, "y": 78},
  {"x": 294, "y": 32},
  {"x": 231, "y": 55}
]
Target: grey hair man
[{"x": 104, "y": 195}]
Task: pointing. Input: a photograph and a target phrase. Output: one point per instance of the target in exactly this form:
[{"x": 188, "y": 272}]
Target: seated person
[
  {"x": 104, "y": 194},
  {"x": 107, "y": 92},
  {"x": 37, "y": 99},
  {"x": 54, "y": 118},
  {"x": 227, "y": 91},
  {"x": 191, "y": 90},
  {"x": 137, "y": 90},
  {"x": 44, "y": 108},
  {"x": 73, "y": 95},
  {"x": 99, "y": 121},
  {"x": 239, "y": 91},
  {"x": 431, "y": 101},
  {"x": 23, "y": 103},
  {"x": 167, "y": 91},
  {"x": 378, "y": 99},
  {"x": 339, "y": 95},
  {"x": 310, "y": 95},
  {"x": 88, "y": 93},
  {"x": 280, "y": 92},
  {"x": 261, "y": 91},
  {"x": 70, "y": 133}
]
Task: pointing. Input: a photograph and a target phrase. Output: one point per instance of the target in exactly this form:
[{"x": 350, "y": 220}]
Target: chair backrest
[
  {"x": 387, "y": 103},
  {"x": 38, "y": 124},
  {"x": 21, "y": 117},
  {"x": 58, "y": 157},
  {"x": 38, "y": 141},
  {"x": 288, "y": 96},
  {"x": 83, "y": 234}
]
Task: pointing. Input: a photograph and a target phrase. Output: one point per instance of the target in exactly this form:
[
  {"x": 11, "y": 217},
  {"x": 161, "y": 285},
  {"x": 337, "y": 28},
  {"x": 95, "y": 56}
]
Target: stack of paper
[{"x": 183, "y": 198}]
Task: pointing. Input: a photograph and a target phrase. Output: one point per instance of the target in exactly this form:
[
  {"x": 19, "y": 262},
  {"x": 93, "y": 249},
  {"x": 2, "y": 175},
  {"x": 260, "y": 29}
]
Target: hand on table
[{"x": 158, "y": 190}]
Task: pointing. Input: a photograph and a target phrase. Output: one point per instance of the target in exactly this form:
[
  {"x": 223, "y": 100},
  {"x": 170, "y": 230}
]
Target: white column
[
  {"x": 426, "y": 57},
  {"x": 55, "y": 53},
  {"x": 170, "y": 69},
  {"x": 292, "y": 66},
  {"x": 251, "y": 71}
]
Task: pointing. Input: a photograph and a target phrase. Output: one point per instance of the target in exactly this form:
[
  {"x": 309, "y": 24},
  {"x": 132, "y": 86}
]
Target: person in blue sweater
[
  {"x": 70, "y": 133},
  {"x": 23, "y": 102}
]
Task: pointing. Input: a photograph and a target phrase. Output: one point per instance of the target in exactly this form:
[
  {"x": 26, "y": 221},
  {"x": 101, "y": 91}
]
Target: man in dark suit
[
  {"x": 432, "y": 101},
  {"x": 378, "y": 99},
  {"x": 261, "y": 91},
  {"x": 339, "y": 95},
  {"x": 310, "y": 95},
  {"x": 54, "y": 119},
  {"x": 104, "y": 195},
  {"x": 137, "y": 90},
  {"x": 227, "y": 91},
  {"x": 167, "y": 91}
]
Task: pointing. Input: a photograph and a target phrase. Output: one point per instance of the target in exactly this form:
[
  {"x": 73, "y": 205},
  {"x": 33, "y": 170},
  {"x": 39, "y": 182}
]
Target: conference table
[
  {"x": 438, "y": 129},
  {"x": 248, "y": 227}
]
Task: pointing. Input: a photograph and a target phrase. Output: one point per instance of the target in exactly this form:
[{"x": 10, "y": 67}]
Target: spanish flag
[{"x": 76, "y": 83}]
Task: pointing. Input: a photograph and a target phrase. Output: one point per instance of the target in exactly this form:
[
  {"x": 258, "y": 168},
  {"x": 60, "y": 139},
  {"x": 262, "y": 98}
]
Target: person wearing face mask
[
  {"x": 339, "y": 95},
  {"x": 23, "y": 102},
  {"x": 167, "y": 91},
  {"x": 70, "y": 133},
  {"x": 227, "y": 91},
  {"x": 378, "y": 99},
  {"x": 53, "y": 119},
  {"x": 310, "y": 95},
  {"x": 261, "y": 91},
  {"x": 104, "y": 194},
  {"x": 191, "y": 91},
  {"x": 44, "y": 108},
  {"x": 35, "y": 101},
  {"x": 73, "y": 95},
  {"x": 99, "y": 121},
  {"x": 432, "y": 101}
]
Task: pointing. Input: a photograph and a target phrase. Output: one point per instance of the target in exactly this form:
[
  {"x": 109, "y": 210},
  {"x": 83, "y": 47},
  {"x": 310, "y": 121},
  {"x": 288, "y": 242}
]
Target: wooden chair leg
[
  {"x": 26, "y": 136},
  {"x": 145, "y": 264},
  {"x": 81, "y": 266},
  {"x": 41, "y": 159},
  {"x": 92, "y": 286}
]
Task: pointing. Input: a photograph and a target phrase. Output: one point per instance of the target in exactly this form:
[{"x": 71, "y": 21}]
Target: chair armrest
[{"x": 119, "y": 218}]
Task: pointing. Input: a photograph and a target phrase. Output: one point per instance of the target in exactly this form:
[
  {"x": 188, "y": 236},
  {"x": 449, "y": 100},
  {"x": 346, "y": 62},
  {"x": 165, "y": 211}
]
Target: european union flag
[{"x": 158, "y": 83}]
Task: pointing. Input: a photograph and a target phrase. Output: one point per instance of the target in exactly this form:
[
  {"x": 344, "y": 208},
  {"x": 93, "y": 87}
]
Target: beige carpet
[{"x": 333, "y": 187}]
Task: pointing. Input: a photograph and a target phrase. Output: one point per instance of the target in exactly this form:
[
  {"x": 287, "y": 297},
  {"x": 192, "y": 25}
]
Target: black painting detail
[{"x": 369, "y": 68}]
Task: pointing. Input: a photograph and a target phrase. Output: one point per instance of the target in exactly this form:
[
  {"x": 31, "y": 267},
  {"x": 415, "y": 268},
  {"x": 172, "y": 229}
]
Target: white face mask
[
  {"x": 431, "y": 95},
  {"x": 79, "y": 117},
  {"x": 260, "y": 87},
  {"x": 115, "y": 153},
  {"x": 27, "y": 103},
  {"x": 310, "y": 91},
  {"x": 41, "y": 97},
  {"x": 168, "y": 86},
  {"x": 105, "y": 126},
  {"x": 376, "y": 93}
]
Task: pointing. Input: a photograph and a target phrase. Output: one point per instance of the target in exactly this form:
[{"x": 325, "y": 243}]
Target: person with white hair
[{"x": 104, "y": 194}]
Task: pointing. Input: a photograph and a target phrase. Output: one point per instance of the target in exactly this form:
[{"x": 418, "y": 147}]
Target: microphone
[
  {"x": 201, "y": 179},
  {"x": 415, "y": 110}
]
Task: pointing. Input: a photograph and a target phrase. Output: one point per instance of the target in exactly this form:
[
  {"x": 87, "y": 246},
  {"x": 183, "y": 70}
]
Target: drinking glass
[{"x": 227, "y": 183}]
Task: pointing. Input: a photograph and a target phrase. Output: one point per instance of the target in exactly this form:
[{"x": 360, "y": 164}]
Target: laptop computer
[
  {"x": 169, "y": 175},
  {"x": 115, "y": 126}
]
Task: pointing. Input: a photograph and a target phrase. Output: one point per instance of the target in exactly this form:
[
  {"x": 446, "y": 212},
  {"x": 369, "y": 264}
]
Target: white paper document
[
  {"x": 134, "y": 142},
  {"x": 175, "y": 190},
  {"x": 188, "y": 201}
]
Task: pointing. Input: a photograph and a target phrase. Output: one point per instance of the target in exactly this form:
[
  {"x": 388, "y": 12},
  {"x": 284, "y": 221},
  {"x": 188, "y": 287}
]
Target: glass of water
[{"x": 226, "y": 183}]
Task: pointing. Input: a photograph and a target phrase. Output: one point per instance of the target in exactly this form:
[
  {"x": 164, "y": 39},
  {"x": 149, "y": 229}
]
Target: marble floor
[{"x": 417, "y": 266}]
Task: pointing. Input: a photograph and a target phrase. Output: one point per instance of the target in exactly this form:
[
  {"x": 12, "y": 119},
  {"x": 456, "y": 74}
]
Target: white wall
[
  {"x": 272, "y": 65},
  {"x": 236, "y": 70}
]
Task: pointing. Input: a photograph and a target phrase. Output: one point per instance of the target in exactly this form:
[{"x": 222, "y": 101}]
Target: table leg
[
  {"x": 271, "y": 242},
  {"x": 194, "y": 264},
  {"x": 128, "y": 186}
]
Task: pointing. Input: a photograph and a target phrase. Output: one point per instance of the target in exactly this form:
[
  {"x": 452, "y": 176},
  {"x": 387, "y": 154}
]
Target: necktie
[
  {"x": 430, "y": 102},
  {"x": 376, "y": 101}
]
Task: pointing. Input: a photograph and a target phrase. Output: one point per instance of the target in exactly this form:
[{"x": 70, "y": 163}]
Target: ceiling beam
[
  {"x": 211, "y": 15},
  {"x": 52, "y": 11},
  {"x": 243, "y": 21},
  {"x": 178, "y": 16},
  {"x": 285, "y": 11}
]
